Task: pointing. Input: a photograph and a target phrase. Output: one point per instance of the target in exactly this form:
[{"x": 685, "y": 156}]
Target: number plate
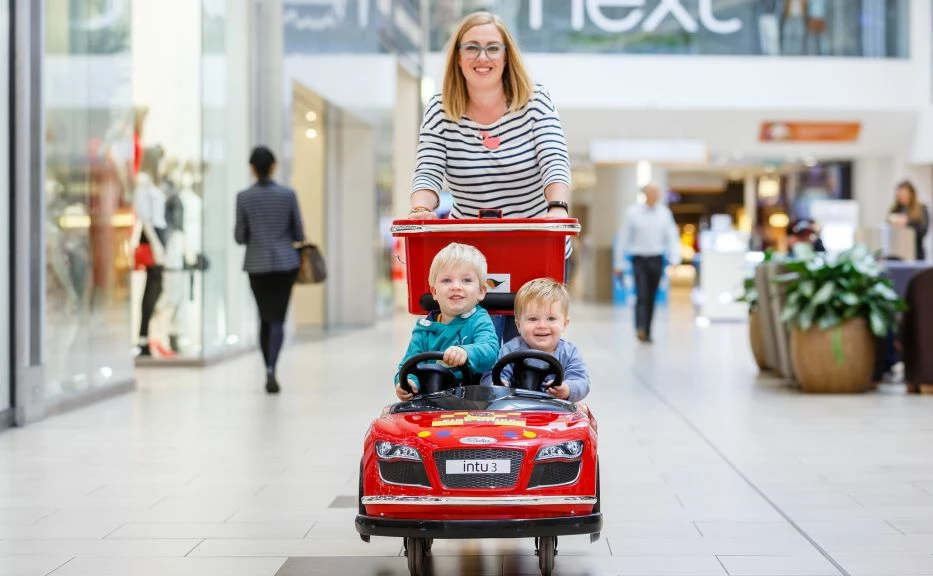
[{"x": 479, "y": 466}]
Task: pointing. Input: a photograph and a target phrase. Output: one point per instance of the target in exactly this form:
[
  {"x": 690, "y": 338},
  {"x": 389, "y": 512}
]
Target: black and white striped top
[{"x": 531, "y": 155}]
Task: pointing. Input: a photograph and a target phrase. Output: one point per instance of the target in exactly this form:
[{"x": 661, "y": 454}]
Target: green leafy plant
[
  {"x": 749, "y": 294},
  {"x": 826, "y": 291}
]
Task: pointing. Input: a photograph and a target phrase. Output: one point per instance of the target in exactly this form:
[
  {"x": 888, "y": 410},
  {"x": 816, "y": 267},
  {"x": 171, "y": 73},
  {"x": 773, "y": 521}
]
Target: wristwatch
[{"x": 558, "y": 204}]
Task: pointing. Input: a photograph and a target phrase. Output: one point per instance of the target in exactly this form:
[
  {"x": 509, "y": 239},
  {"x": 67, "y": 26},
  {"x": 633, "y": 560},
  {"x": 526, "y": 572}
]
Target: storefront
[
  {"x": 191, "y": 103},
  {"x": 114, "y": 114}
]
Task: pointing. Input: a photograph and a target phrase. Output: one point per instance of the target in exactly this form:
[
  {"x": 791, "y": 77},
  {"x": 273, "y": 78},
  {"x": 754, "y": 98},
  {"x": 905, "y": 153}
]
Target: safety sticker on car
[
  {"x": 498, "y": 283},
  {"x": 496, "y": 419}
]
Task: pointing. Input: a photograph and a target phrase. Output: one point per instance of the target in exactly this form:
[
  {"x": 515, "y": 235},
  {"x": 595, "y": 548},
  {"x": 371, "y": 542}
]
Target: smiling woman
[{"x": 493, "y": 136}]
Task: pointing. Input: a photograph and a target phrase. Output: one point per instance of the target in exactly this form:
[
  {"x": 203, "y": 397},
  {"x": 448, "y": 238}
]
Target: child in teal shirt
[{"x": 461, "y": 329}]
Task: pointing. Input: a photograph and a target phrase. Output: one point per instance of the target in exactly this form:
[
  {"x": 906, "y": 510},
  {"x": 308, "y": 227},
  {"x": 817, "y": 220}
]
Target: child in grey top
[{"x": 541, "y": 314}]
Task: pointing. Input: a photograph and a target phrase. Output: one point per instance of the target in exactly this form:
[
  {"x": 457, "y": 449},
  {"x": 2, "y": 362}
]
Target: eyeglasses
[{"x": 493, "y": 51}]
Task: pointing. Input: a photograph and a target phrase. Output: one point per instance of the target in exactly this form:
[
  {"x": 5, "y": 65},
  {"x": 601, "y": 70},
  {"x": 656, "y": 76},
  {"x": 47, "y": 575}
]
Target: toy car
[{"x": 461, "y": 460}]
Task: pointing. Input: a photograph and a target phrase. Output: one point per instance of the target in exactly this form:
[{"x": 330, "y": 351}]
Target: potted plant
[
  {"x": 835, "y": 307},
  {"x": 749, "y": 295}
]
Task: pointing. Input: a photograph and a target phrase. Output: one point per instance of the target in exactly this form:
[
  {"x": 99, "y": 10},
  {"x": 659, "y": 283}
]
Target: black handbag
[{"x": 311, "y": 269}]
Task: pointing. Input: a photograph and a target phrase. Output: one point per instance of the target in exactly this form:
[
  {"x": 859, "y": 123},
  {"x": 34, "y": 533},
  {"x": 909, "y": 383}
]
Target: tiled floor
[{"x": 707, "y": 470}]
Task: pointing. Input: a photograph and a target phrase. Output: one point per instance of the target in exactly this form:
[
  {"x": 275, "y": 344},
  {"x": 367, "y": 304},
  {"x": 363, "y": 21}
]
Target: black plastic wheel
[
  {"x": 416, "y": 551},
  {"x": 547, "y": 549},
  {"x": 362, "y": 509}
]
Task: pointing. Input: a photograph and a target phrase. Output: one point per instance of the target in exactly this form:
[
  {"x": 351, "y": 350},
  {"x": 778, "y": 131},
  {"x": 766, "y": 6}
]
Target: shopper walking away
[{"x": 268, "y": 222}]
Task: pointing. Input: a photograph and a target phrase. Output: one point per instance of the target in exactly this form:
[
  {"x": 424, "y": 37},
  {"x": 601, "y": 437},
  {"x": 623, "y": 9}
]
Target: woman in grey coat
[{"x": 268, "y": 222}]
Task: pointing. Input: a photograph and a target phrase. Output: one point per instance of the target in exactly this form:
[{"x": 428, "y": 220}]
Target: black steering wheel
[
  {"x": 526, "y": 375},
  {"x": 431, "y": 377}
]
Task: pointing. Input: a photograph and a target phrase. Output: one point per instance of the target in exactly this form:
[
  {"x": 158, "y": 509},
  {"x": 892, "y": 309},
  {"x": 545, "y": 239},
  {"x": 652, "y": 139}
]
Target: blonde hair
[
  {"x": 458, "y": 255},
  {"x": 515, "y": 79},
  {"x": 914, "y": 207},
  {"x": 545, "y": 290}
]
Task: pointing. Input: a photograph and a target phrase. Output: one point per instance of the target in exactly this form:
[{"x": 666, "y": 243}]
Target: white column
[
  {"x": 617, "y": 187},
  {"x": 351, "y": 230},
  {"x": 873, "y": 182}
]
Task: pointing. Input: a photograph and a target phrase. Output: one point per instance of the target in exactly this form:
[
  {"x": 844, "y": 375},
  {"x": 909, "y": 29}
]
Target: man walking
[{"x": 650, "y": 235}]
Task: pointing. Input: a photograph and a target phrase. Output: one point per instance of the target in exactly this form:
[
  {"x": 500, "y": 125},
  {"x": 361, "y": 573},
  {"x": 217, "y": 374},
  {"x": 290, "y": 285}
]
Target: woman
[
  {"x": 492, "y": 134},
  {"x": 910, "y": 212},
  {"x": 268, "y": 221}
]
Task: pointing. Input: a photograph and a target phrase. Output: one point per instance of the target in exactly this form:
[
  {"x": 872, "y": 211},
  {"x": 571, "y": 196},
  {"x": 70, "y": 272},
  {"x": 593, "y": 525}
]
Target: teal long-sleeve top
[{"x": 473, "y": 331}]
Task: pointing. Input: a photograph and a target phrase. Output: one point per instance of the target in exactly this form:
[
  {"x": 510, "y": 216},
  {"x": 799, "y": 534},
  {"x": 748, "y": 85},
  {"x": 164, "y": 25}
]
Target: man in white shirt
[{"x": 649, "y": 234}]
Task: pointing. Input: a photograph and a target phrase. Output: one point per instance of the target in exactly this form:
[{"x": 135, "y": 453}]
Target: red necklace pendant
[{"x": 490, "y": 142}]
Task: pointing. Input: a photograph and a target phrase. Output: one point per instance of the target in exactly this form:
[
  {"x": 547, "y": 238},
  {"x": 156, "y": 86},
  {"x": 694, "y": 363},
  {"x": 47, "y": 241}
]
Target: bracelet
[
  {"x": 558, "y": 204},
  {"x": 419, "y": 208}
]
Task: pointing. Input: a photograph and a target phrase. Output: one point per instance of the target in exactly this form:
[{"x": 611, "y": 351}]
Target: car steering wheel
[
  {"x": 431, "y": 377},
  {"x": 525, "y": 375}
]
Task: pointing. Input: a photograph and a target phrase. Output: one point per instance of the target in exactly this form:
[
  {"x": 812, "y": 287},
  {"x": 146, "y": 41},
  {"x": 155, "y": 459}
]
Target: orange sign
[{"x": 810, "y": 131}]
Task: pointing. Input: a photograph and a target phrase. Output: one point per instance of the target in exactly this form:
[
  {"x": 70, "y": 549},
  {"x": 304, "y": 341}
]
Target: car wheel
[
  {"x": 416, "y": 551},
  {"x": 362, "y": 509},
  {"x": 547, "y": 549}
]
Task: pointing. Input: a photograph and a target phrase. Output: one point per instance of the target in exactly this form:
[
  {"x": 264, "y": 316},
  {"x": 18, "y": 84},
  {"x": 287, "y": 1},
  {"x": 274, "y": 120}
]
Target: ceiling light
[
  {"x": 311, "y": 133},
  {"x": 778, "y": 220},
  {"x": 311, "y": 116}
]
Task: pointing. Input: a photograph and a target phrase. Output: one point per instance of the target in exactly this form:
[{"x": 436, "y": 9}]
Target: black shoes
[{"x": 272, "y": 385}]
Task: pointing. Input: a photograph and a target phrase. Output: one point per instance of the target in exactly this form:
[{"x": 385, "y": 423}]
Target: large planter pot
[
  {"x": 756, "y": 340},
  {"x": 835, "y": 361}
]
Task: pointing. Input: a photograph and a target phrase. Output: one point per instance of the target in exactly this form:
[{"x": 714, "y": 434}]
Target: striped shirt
[{"x": 532, "y": 155}]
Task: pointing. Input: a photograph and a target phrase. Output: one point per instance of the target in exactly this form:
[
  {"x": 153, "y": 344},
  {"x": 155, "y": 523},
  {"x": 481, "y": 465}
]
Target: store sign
[
  {"x": 352, "y": 25},
  {"x": 648, "y": 19},
  {"x": 810, "y": 131},
  {"x": 320, "y": 15}
]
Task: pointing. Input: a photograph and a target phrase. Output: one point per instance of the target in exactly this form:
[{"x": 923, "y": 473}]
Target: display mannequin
[
  {"x": 183, "y": 215},
  {"x": 149, "y": 203}
]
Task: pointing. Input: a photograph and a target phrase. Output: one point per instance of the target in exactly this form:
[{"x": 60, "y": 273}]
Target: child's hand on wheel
[
  {"x": 455, "y": 356},
  {"x": 562, "y": 391},
  {"x": 402, "y": 394}
]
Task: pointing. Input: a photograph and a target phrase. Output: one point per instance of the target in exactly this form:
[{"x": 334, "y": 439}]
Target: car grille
[
  {"x": 402, "y": 472},
  {"x": 479, "y": 480},
  {"x": 554, "y": 474}
]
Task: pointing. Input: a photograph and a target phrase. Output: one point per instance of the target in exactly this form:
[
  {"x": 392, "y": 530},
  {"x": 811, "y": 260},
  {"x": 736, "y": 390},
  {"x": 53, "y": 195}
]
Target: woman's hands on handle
[{"x": 421, "y": 205}]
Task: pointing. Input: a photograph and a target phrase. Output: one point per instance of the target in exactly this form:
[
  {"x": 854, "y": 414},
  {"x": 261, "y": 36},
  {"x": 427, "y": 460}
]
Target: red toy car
[{"x": 467, "y": 461}]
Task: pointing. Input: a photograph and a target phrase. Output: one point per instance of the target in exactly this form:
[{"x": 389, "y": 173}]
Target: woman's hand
[
  {"x": 420, "y": 214},
  {"x": 556, "y": 212}
]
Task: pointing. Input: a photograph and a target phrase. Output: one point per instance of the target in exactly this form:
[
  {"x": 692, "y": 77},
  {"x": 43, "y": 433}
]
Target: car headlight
[
  {"x": 571, "y": 449},
  {"x": 389, "y": 451}
]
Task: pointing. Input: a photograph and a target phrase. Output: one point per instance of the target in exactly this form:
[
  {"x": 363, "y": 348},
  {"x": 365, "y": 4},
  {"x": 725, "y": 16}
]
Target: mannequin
[
  {"x": 183, "y": 215},
  {"x": 149, "y": 203}
]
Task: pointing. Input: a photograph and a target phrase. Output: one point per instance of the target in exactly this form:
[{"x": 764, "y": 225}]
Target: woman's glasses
[{"x": 493, "y": 51}]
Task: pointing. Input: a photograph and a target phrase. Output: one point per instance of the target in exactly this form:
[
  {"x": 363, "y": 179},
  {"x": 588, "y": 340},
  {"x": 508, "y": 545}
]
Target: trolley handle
[{"x": 566, "y": 227}]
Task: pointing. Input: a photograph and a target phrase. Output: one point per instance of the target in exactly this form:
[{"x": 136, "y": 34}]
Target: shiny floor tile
[{"x": 707, "y": 468}]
